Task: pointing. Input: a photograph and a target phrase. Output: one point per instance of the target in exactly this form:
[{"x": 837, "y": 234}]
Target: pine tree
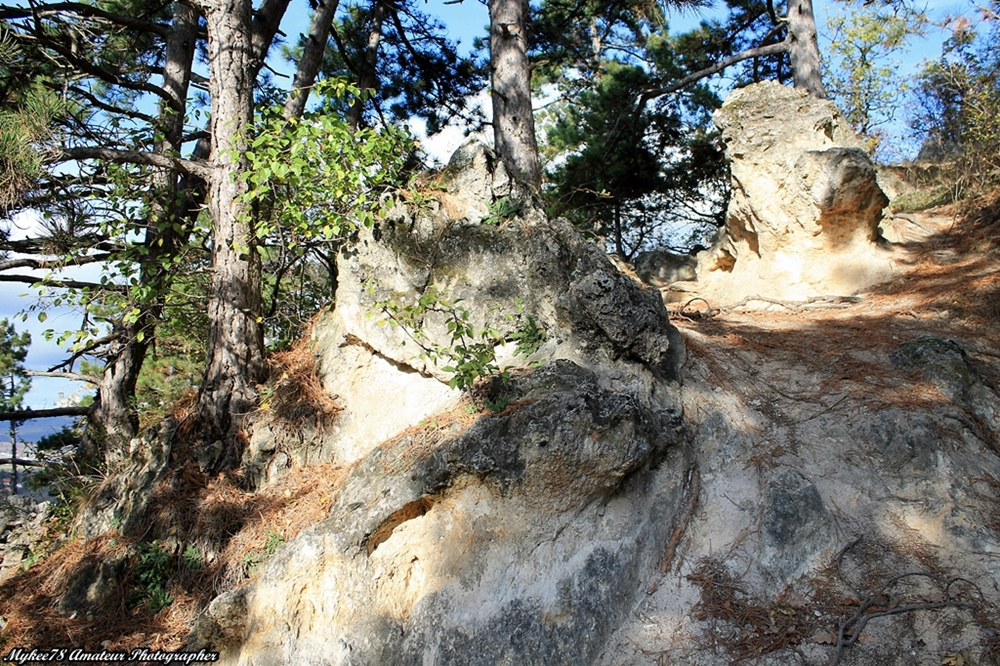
[{"x": 14, "y": 382}]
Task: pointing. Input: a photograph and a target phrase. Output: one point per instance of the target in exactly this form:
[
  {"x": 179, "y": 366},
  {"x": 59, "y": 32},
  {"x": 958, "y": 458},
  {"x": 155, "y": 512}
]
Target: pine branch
[
  {"x": 47, "y": 264},
  {"x": 758, "y": 52},
  {"x": 93, "y": 101},
  {"x": 73, "y": 376},
  {"x": 57, "y": 282},
  {"x": 21, "y": 462},
  {"x": 74, "y": 10}
]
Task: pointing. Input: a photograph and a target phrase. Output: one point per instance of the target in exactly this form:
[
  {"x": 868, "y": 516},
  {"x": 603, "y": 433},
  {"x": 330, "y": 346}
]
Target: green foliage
[
  {"x": 27, "y": 114},
  {"x": 471, "y": 353},
  {"x": 150, "y": 577},
  {"x": 312, "y": 177},
  {"x": 500, "y": 210},
  {"x": 629, "y": 170},
  {"x": 252, "y": 560},
  {"x": 865, "y": 55},
  {"x": 312, "y": 182},
  {"x": 191, "y": 557},
  {"x": 529, "y": 338},
  {"x": 14, "y": 382},
  {"x": 959, "y": 95},
  {"x": 274, "y": 541},
  {"x": 420, "y": 73}
]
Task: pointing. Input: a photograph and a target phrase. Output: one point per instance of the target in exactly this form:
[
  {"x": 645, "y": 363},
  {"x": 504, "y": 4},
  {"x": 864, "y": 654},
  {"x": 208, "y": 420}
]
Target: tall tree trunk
[
  {"x": 312, "y": 58},
  {"x": 115, "y": 416},
  {"x": 368, "y": 76},
  {"x": 13, "y": 454},
  {"x": 236, "y": 342},
  {"x": 513, "y": 121},
  {"x": 803, "y": 50}
]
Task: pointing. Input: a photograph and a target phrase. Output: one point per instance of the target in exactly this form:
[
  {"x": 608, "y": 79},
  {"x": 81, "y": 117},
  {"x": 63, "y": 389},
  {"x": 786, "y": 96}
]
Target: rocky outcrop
[
  {"x": 816, "y": 491},
  {"x": 497, "y": 270},
  {"x": 522, "y": 538},
  {"x": 837, "y": 524},
  {"x": 806, "y": 205}
]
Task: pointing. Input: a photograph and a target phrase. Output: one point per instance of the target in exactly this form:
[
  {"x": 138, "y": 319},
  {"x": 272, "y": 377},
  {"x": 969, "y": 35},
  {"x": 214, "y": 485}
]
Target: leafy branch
[{"x": 471, "y": 353}]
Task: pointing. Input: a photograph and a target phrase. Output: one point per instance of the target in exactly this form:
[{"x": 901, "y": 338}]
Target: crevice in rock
[
  {"x": 409, "y": 511},
  {"x": 398, "y": 365}
]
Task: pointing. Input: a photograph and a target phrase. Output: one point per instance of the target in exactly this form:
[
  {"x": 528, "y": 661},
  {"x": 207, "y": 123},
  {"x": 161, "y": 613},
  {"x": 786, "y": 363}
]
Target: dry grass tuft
[
  {"x": 295, "y": 391},
  {"x": 231, "y": 530}
]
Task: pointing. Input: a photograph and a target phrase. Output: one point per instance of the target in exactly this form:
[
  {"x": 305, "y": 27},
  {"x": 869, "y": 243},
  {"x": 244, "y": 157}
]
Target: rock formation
[
  {"x": 805, "y": 209},
  {"x": 817, "y": 487},
  {"x": 572, "y": 485},
  {"x": 627, "y": 503}
]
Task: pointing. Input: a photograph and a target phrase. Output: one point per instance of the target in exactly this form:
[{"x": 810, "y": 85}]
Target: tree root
[{"x": 693, "y": 490}]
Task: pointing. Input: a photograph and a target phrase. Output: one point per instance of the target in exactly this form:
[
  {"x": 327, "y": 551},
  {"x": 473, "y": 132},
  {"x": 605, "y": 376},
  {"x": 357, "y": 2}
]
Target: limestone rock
[
  {"x": 501, "y": 272},
  {"x": 805, "y": 209},
  {"x": 662, "y": 268},
  {"x": 523, "y": 539}
]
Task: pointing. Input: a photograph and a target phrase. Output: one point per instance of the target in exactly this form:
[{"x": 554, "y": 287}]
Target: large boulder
[
  {"x": 524, "y": 539},
  {"x": 806, "y": 205},
  {"x": 520, "y": 537},
  {"x": 505, "y": 270}
]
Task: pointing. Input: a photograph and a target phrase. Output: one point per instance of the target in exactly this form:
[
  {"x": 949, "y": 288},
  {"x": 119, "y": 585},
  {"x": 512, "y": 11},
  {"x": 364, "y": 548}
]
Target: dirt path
[{"x": 902, "y": 468}]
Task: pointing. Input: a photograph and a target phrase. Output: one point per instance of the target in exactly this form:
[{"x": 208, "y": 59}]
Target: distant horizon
[{"x": 30, "y": 432}]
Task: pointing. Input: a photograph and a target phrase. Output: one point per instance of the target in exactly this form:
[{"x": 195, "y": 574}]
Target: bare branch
[
  {"x": 133, "y": 157},
  {"x": 99, "y": 342},
  {"x": 21, "y": 462},
  {"x": 93, "y": 101},
  {"x": 30, "y": 414},
  {"x": 57, "y": 282},
  {"x": 28, "y": 262},
  {"x": 758, "y": 52},
  {"x": 74, "y": 376}
]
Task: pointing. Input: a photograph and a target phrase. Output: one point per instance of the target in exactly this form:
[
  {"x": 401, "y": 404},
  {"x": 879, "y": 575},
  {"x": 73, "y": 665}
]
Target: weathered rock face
[
  {"x": 524, "y": 538},
  {"x": 804, "y": 215},
  {"x": 819, "y": 495},
  {"x": 775, "y": 508},
  {"x": 500, "y": 272},
  {"x": 662, "y": 268}
]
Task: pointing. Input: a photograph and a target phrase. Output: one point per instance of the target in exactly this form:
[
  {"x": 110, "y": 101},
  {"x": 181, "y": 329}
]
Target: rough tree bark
[
  {"x": 368, "y": 77},
  {"x": 513, "y": 120},
  {"x": 312, "y": 58},
  {"x": 803, "y": 49},
  {"x": 235, "y": 361}
]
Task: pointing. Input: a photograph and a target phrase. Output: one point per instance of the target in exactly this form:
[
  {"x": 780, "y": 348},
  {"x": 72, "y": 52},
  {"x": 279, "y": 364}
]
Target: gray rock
[
  {"x": 948, "y": 367},
  {"x": 797, "y": 527},
  {"x": 93, "y": 585},
  {"x": 661, "y": 268},
  {"x": 421, "y": 534}
]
